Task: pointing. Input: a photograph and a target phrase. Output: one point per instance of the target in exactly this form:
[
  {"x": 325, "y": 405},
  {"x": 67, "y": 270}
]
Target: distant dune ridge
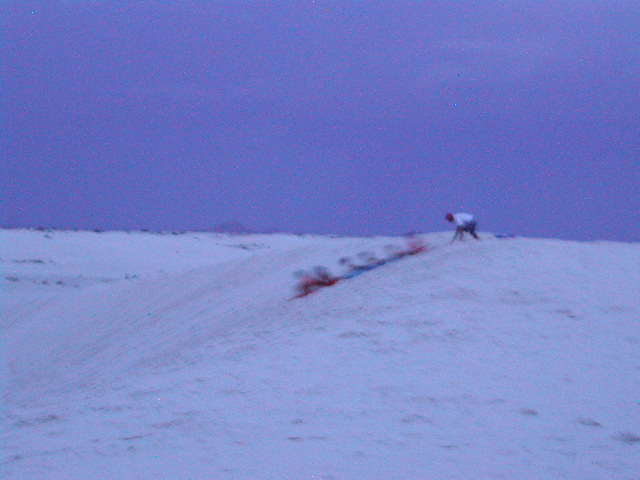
[{"x": 133, "y": 355}]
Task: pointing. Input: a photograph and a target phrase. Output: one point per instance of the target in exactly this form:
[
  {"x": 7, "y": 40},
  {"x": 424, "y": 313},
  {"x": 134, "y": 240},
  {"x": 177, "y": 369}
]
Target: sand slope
[{"x": 135, "y": 356}]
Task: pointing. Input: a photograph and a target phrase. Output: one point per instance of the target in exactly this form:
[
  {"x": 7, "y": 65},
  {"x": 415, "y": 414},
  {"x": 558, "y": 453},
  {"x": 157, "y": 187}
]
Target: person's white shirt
[{"x": 462, "y": 219}]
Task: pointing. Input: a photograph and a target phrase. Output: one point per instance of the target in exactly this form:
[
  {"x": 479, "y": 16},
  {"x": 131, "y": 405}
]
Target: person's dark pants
[{"x": 469, "y": 228}]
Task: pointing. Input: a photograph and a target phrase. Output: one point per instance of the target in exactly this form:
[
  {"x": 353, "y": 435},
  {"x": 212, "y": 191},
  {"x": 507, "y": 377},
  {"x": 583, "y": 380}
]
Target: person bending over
[{"x": 464, "y": 223}]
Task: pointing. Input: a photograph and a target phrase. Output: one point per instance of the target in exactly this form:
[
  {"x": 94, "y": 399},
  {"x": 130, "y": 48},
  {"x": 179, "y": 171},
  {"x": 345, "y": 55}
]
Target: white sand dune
[{"x": 149, "y": 356}]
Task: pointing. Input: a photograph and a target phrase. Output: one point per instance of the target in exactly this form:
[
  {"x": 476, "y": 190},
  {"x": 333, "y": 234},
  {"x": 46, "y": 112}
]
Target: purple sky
[{"x": 328, "y": 117}]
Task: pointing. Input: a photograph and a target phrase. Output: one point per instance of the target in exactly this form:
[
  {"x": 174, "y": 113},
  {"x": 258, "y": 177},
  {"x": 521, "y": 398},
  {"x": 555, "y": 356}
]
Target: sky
[{"x": 332, "y": 117}]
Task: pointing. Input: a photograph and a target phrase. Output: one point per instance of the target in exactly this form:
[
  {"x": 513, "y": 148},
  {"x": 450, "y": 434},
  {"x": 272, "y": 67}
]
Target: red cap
[{"x": 449, "y": 217}]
